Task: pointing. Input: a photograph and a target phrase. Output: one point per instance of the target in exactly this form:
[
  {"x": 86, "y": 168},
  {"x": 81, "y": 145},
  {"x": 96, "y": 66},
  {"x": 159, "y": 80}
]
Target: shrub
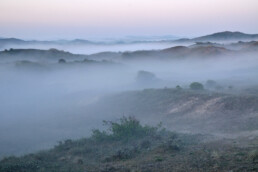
[
  {"x": 178, "y": 87},
  {"x": 196, "y": 86},
  {"x": 129, "y": 127},
  {"x": 61, "y": 61},
  {"x": 126, "y": 128},
  {"x": 99, "y": 135}
]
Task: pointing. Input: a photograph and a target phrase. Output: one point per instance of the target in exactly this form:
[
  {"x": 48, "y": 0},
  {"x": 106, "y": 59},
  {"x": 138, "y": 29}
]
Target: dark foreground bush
[
  {"x": 125, "y": 129},
  {"x": 146, "y": 149}
]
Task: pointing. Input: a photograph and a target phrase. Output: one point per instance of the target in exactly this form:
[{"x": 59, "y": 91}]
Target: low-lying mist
[
  {"x": 95, "y": 48},
  {"x": 42, "y": 105}
]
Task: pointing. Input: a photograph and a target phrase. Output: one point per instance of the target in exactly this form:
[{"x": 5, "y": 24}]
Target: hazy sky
[{"x": 54, "y": 19}]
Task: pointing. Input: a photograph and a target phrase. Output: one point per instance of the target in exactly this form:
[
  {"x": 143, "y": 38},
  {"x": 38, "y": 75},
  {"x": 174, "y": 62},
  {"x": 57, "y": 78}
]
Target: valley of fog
[
  {"x": 40, "y": 106},
  {"x": 94, "y": 48}
]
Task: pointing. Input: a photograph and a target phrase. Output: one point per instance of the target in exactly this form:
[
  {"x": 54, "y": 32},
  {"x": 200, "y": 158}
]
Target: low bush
[
  {"x": 127, "y": 128},
  {"x": 196, "y": 86}
]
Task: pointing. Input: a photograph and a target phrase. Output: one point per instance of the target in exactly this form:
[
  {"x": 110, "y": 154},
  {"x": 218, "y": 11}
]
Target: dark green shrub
[
  {"x": 126, "y": 128},
  {"x": 99, "y": 135},
  {"x": 196, "y": 86}
]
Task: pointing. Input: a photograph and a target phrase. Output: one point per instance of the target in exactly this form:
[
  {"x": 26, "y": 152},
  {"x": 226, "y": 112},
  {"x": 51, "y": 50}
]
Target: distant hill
[
  {"x": 227, "y": 36},
  {"x": 35, "y": 58},
  {"x": 198, "y": 50},
  {"x": 178, "y": 52},
  {"x": 9, "y": 42},
  {"x": 210, "y": 50},
  {"x": 36, "y": 55},
  {"x": 220, "y": 36}
]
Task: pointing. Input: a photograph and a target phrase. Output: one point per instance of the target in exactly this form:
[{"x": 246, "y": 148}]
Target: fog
[
  {"x": 41, "y": 106},
  {"x": 223, "y": 69},
  {"x": 91, "y": 48}
]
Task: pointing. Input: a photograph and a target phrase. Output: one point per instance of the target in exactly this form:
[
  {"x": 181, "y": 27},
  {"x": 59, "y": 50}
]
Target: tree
[
  {"x": 61, "y": 61},
  {"x": 196, "y": 86}
]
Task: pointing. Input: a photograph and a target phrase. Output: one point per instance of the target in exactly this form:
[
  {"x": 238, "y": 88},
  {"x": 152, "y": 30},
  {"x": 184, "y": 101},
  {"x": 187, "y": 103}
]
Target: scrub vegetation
[{"x": 127, "y": 145}]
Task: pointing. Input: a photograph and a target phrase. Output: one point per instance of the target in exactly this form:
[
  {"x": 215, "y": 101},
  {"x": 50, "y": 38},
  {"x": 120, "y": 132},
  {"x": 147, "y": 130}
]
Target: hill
[
  {"x": 227, "y": 36},
  {"x": 197, "y": 50},
  {"x": 188, "y": 111},
  {"x": 220, "y": 36},
  {"x": 179, "y": 52},
  {"x": 130, "y": 146},
  {"x": 5, "y": 41},
  {"x": 45, "y": 59},
  {"x": 37, "y": 55}
]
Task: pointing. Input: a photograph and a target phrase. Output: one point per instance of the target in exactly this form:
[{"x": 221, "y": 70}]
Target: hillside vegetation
[
  {"x": 186, "y": 110},
  {"x": 129, "y": 146}
]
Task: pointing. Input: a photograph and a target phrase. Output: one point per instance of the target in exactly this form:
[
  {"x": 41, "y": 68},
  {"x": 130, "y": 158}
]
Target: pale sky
[{"x": 68, "y": 19}]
